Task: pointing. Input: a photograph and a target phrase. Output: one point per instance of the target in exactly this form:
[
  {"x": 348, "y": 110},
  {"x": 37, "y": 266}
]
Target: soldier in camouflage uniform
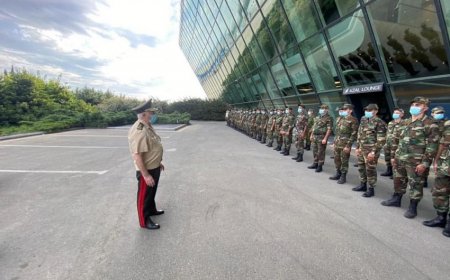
[
  {"x": 346, "y": 132},
  {"x": 441, "y": 188},
  {"x": 286, "y": 130},
  {"x": 277, "y": 135},
  {"x": 387, "y": 147},
  {"x": 258, "y": 122},
  {"x": 301, "y": 125},
  {"x": 416, "y": 150},
  {"x": 321, "y": 130},
  {"x": 263, "y": 128},
  {"x": 270, "y": 128},
  {"x": 311, "y": 117},
  {"x": 371, "y": 139}
]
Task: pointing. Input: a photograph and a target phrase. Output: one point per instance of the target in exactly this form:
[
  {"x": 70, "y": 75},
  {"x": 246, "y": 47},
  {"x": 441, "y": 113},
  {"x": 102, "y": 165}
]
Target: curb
[{"x": 22, "y": 135}]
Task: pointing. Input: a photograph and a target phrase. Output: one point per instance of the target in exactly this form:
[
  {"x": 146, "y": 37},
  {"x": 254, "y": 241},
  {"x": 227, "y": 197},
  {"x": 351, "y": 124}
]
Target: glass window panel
[
  {"x": 297, "y": 71},
  {"x": 354, "y": 51},
  {"x": 263, "y": 36},
  {"x": 302, "y": 16},
  {"x": 260, "y": 86},
  {"x": 281, "y": 78},
  {"x": 228, "y": 18},
  {"x": 238, "y": 13},
  {"x": 410, "y": 38},
  {"x": 267, "y": 79},
  {"x": 250, "y": 7},
  {"x": 333, "y": 100},
  {"x": 278, "y": 24},
  {"x": 335, "y": 9},
  {"x": 320, "y": 65},
  {"x": 252, "y": 44}
]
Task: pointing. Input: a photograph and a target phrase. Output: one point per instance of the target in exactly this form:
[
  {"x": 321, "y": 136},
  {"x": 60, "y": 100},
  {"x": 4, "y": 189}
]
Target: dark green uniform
[
  {"x": 346, "y": 133},
  {"x": 321, "y": 125}
]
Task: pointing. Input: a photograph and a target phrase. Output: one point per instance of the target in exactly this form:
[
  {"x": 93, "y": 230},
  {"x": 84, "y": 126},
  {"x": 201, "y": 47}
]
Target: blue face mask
[
  {"x": 343, "y": 113},
  {"x": 368, "y": 114},
  {"x": 438, "y": 116},
  {"x": 414, "y": 110},
  {"x": 154, "y": 119},
  {"x": 396, "y": 116},
  {"x": 322, "y": 112}
]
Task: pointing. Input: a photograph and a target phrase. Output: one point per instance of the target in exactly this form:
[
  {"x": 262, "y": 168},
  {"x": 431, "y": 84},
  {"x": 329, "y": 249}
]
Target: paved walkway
[{"x": 235, "y": 209}]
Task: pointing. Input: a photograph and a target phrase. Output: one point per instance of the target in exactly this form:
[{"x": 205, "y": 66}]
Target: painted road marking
[
  {"x": 65, "y": 147},
  {"x": 54, "y": 171}
]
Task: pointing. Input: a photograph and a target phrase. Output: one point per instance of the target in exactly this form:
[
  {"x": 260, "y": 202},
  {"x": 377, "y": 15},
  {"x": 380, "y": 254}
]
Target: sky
[{"x": 128, "y": 47}]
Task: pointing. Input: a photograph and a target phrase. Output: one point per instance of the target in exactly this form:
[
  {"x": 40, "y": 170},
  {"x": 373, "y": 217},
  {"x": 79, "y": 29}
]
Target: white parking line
[
  {"x": 66, "y": 147},
  {"x": 54, "y": 171}
]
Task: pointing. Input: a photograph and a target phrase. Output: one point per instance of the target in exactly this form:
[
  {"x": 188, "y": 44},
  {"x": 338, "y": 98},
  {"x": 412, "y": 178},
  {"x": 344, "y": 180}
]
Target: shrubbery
[{"x": 173, "y": 118}]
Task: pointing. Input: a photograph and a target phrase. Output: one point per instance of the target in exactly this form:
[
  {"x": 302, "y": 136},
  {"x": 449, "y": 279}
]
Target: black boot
[
  {"x": 361, "y": 188},
  {"x": 313, "y": 166},
  {"x": 308, "y": 147},
  {"x": 388, "y": 172},
  {"x": 369, "y": 193},
  {"x": 412, "y": 210},
  {"x": 343, "y": 178},
  {"x": 439, "y": 221},
  {"x": 295, "y": 158},
  {"x": 300, "y": 158},
  {"x": 286, "y": 152},
  {"x": 283, "y": 151},
  {"x": 337, "y": 176},
  {"x": 355, "y": 165},
  {"x": 395, "y": 200},
  {"x": 278, "y": 148},
  {"x": 263, "y": 141},
  {"x": 446, "y": 230},
  {"x": 319, "y": 168},
  {"x": 270, "y": 144},
  {"x": 425, "y": 184}
]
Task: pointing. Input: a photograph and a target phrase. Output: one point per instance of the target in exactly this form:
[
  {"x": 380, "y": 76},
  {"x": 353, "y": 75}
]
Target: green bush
[{"x": 174, "y": 118}]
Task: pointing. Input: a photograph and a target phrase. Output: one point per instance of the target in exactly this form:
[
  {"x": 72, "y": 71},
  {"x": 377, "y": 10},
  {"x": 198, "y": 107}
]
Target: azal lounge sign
[{"x": 363, "y": 89}]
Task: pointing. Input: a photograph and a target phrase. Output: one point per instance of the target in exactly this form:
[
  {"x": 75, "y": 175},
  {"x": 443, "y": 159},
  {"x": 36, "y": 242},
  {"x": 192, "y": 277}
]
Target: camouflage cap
[
  {"x": 422, "y": 100},
  {"x": 146, "y": 107},
  {"x": 437, "y": 110},
  {"x": 301, "y": 105},
  {"x": 324, "y": 106},
  {"x": 371, "y": 107},
  {"x": 347, "y": 106}
]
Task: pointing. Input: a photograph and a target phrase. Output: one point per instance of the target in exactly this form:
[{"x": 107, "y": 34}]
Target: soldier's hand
[
  {"x": 324, "y": 141},
  {"x": 149, "y": 180},
  {"x": 311, "y": 138},
  {"x": 371, "y": 156},
  {"x": 347, "y": 150},
  {"x": 393, "y": 162},
  {"x": 420, "y": 169}
]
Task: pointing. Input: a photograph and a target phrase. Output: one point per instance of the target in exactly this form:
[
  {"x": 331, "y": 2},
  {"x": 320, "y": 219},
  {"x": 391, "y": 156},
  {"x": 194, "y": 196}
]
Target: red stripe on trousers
[{"x": 140, "y": 203}]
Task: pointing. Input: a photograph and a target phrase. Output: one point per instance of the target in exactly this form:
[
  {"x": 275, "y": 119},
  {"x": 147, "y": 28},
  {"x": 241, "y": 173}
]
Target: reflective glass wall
[{"x": 276, "y": 53}]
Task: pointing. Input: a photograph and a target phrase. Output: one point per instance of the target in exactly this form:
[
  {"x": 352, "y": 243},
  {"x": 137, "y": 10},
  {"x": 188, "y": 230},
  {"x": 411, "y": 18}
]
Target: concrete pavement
[{"x": 235, "y": 209}]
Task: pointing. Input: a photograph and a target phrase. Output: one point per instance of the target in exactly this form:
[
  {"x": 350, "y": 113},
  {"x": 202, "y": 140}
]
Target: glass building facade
[{"x": 277, "y": 53}]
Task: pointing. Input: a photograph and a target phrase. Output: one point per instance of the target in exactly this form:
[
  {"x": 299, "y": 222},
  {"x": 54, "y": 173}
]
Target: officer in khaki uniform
[
  {"x": 147, "y": 152},
  {"x": 321, "y": 130}
]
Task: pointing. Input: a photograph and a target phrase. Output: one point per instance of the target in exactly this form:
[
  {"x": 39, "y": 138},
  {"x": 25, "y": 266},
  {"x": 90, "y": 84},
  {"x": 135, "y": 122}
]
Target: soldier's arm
[
  {"x": 354, "y": 134},
  {"x": 432, "y": 143},
  {"x": 381, "y": 136},
  {"x": 329, "y": 128}
]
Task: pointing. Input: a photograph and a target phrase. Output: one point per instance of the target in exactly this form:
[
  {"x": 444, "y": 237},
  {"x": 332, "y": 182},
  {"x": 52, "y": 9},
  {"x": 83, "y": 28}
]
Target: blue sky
[{"x": 129, "y": 47}]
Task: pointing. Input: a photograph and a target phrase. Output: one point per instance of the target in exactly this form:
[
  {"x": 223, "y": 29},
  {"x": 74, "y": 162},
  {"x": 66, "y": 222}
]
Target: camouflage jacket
[
  {"x": 258, "y": 119},
  {"x": 301, "y": 122},
  {"x": 322, "y": 124},
  {"x": 270, "y": 122},
  {"x": 443, "y": 163},
  {"x": 394, "y": 136},
  {"x": 311, "y": 121},
  {"x": 264, "y": 121},
  {"x": 418, "y": 141},
  {"x": 278, "y": 122},
  {"x": 371, "y": 134},
  {"x": 440, "y": 124},
  {"x": 288, "y": 123},
  {"x": 346, "y": 131}
]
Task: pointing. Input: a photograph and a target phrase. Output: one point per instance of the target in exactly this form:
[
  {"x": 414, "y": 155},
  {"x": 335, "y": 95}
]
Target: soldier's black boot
[
  {"x": 388, "y": 172},
  {"x": 446, "y": 230},
  {"x": 300, "y": 158},
  {"x": 369, "y": 193},
  {"x": 343, "y": 178},
  {"x": 439, "y": 221},
  {"x": 337, "y": 176},
  {"x": 313, "y": 166},
  {"x": 283, "y": 151},
  {"x": 395, "y": 200},
  {"x": 295, "y": 158},
  {"x": 425, "y": 184},
  {"x": 278, "y": 148},
  {"x": 361, "y": 188},
  {"x": 263, "y": 141},
  {"x": 319, "y": 168},
  {"x": 287, "y": 151},
  {"x": 308, "y": 147},
  {"x": 412, "y": 210},
  {"x": 270, "y": 144},
  {"x": 355, "y": 165}
]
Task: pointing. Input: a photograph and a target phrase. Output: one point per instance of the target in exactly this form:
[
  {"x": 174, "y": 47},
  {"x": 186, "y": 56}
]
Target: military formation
[{"x": 412, "y": 147}]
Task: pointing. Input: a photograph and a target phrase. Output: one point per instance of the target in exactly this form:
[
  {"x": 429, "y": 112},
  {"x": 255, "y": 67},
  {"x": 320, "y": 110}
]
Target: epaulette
[{"x": 140, "y": 126}]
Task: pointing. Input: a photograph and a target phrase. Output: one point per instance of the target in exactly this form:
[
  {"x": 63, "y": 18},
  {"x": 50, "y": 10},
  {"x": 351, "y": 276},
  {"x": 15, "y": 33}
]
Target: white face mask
[
  {"x": 278, "y": 113},
  {"x": 263, "y": 112},
  {"x": 300, "y": 110},
  {"x": 287, "y": 111}
]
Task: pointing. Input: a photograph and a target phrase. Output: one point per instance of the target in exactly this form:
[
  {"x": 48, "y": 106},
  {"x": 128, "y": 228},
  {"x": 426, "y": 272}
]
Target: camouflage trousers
[
  {"x": 341, "y": 158},
  {"x": 387, "y": 154},
  {"x": 441, "y": 193},
  {"x": 287, "y": 140},
  {"x": 279, "y": 138},
  {"x": 318, "y": 149},
  {"x": 308, "y": 137},
  {"x": 300, "y": 144},
  {"x": 269, "y": 136},
  {"x": 367, "y": 169},
  {"x": 405, "y": 175}
]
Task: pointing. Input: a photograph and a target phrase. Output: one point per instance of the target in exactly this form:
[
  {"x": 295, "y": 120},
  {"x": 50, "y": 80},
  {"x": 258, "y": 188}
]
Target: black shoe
[
  {"x": 439, "y": 221},
  {"x": 283, "y": 151},
  {"x": 295, "y": 158},
  {"x": 425, "y": 184},
  {"x": 355, "y": 165},
  {"x": 361, "y": 188},
  {"x": 313, "y": 166},
  {"x": 269, "y": 145},
  {"x": 343, "y": 178},
  {"x": 446, "y": 230},
  {"x": 412, "y": 210},
  {"x": 337, "y": 176},
  {"x": 394, "y": 201},
  {"x": 151, "y": 225},
  {"x": 308, "y": 147},
  {"x": 369, "y": 193},
  {"x": 157, "y": 213},
  {"x": 300, "y": 158},
  {"x": 278, "y": 148},
  {"x": 286, "y": 152},
  {"x": 388, "y": 172},
  {"x": 319, "y": 168}
]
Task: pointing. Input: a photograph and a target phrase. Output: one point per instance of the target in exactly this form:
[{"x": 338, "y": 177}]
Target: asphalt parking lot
[{"x": 235, "y": 209}]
